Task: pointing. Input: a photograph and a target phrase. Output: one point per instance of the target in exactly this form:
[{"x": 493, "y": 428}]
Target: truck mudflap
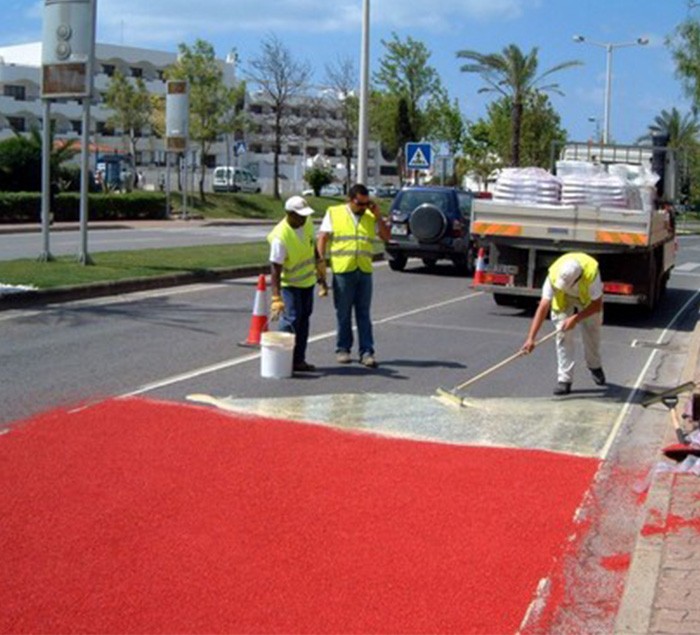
[{"x": 613, "y": 292}]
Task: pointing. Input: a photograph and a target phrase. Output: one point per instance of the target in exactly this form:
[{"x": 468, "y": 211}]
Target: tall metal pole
[
  {"x": 45, "y": 255},
  {"x": 608, "y": 91},
  {"x": 83, "y": 256},
  {"x": 363, "y": 131}
]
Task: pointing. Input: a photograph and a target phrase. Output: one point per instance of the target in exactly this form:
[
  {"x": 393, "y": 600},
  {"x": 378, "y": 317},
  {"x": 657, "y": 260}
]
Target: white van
[{"x": 232, "y": 179}]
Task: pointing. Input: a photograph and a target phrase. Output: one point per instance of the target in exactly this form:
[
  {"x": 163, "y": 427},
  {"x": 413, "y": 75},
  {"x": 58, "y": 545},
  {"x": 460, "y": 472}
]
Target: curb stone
[{"x": 636, "y": 612}]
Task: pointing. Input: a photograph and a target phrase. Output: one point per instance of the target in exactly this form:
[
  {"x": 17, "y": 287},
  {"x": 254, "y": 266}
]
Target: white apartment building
[{"x": 313, "y": 134}]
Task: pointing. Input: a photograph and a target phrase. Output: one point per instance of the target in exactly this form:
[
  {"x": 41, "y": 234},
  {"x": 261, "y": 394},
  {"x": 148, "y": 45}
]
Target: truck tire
[
  {"x": 504, "y": 299},
  {"x": 427, "y": 223}
]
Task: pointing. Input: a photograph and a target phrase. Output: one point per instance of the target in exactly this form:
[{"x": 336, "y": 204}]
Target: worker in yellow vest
[
  {"x": 295, "y": 267},
  {"x": 351, "y": 230},
  {"x": 573, "y": 290}
]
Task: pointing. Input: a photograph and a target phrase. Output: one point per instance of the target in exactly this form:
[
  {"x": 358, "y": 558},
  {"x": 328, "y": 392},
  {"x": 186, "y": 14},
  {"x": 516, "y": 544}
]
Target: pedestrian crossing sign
[{"x": 419, "y": 156}]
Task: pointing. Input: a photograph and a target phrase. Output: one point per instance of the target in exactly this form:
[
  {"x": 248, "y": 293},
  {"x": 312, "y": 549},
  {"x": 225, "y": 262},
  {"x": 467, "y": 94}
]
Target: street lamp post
[
  {"x": 609, "y": 46},
  {"x": 363, "y": 132}
]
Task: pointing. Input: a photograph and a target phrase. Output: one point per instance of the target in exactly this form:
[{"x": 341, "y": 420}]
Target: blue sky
[{"x": 320, "y": 31}]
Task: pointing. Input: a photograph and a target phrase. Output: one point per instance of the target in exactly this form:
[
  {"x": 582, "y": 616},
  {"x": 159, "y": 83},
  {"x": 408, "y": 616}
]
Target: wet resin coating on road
[{"x": 573, "y": 425}]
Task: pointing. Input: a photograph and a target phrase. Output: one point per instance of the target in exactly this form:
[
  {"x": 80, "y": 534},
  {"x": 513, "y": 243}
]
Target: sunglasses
[{"x": 362, "y": 203}]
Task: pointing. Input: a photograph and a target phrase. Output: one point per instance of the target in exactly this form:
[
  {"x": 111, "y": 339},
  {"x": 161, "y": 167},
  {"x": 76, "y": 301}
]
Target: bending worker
[
  {"x": 573, "y": 291},
  {"x": 352, "y": 229},
  {"x": 295, "y": 267}
]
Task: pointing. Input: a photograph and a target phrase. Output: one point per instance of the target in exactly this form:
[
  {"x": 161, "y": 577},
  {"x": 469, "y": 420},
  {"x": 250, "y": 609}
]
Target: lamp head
[
  {"x": 642, "y": 41},
  {"x": 579, "y": 38}
]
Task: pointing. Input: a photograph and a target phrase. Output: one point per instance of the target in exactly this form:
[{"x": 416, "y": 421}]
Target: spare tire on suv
[
  {"x": 431, "y": 223},
  {"x": 427, "y": 223}
]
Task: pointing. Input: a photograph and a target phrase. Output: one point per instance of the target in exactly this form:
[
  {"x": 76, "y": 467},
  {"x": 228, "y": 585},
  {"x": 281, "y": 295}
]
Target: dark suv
[{"x": 431, "y": 223}]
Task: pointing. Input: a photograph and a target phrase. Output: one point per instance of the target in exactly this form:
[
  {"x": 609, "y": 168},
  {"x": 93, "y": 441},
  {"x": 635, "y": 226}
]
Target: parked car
[
  {"x": 332, "y": 189},
  {"x": 232, "y": 179},
  {"x": 431, "y": 223}
]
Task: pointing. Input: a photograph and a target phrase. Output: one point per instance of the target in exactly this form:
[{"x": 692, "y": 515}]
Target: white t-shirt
[
  {"x": 596, "y": 289},
  {"x": 278, "y": 251},
  {"x": 327, "y": 224}
]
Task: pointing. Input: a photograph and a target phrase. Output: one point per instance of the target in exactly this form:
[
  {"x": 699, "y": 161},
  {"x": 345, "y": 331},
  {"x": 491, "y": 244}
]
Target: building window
[
  {"x": 371, "y": 154},
  {"x": 311, "y": 151},
  {"x": 294, "y": 150},
  {"x": 330, "y": 152},
  {"x": 108, "y": 69},
  {"x": 136, "y": 71},
  {"x": 256, "y": 109},
  {"x": 160, "y": 74},
  {"x": 77, "y": 125},
  {"x": 388, "y": 170},
  {"x": 16, "y": 92},
  {"x": 17, "y": 123},
  {"x": 256, "y": 148}
]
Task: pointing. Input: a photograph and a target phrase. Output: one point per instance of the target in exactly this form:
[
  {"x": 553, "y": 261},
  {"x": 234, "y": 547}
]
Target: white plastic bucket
[{"x": 277, "y": 354}]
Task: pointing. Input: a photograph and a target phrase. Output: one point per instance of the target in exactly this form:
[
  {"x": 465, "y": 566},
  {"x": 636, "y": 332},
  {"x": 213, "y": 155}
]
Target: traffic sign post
[{"x": 419, "y": 156}]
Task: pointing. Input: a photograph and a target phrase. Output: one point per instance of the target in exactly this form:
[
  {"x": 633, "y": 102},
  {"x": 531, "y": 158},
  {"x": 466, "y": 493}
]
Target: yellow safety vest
[
  {"x": 351, "y": 245},
  {"x": 299, "y": 268},
  {"x": 589, "y": 265}
]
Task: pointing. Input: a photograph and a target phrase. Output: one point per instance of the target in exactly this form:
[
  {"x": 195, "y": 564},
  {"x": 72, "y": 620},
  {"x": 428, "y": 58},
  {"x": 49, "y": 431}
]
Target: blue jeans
[
  {"x": 298, "y": 306},
  {"x": 353, "y": 290}
]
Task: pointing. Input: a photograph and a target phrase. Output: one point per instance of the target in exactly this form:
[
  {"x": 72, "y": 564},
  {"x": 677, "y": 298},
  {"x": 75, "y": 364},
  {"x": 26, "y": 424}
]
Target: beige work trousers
[{"x": 566, "y": 343}]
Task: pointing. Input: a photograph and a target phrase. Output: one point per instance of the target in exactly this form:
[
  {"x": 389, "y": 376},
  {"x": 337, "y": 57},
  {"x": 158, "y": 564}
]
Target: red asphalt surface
[{"x": 138, "y": 516}]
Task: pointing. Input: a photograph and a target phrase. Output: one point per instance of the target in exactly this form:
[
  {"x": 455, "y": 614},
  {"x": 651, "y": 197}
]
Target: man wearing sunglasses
[{"x": 351, "y": 231}]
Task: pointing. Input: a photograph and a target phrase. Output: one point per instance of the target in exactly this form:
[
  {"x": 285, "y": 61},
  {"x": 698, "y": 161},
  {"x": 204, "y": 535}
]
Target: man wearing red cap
[{"x": 573, "y": 290}]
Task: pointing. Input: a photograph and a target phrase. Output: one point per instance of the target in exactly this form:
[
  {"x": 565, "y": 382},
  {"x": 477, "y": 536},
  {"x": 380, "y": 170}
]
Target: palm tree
[
  {"x": 513, "y": 75},
  {"x": 682, "y": 131}
]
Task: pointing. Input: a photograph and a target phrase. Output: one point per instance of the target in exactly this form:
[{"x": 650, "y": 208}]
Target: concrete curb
[{"x": 637, "y": 605}]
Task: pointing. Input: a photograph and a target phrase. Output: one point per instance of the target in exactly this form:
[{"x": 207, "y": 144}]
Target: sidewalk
[{"x": 662, "y": 592}]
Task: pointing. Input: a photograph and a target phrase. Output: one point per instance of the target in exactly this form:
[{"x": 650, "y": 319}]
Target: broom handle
[{"x": 507, "y": 360}]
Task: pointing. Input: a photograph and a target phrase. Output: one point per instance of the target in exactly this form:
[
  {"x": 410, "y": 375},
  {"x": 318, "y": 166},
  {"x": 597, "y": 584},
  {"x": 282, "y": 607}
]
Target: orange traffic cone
[
  {"x": 480, "y": 269},
  {"x": 258, "y": 323}
]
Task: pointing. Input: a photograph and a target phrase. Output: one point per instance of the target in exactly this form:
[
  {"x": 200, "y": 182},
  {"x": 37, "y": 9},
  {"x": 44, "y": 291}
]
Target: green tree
[
  {"x": 681, "y": 130},
  {"x": 317, "y": 177},
  {"x": 410, "y": 82},
  {"x": 540, "y": 128},
  {"x": 685, "y": 49},
  {"x": 20, "y": 162},
  {"x": 479, "y": 158},
  {"x": 514, "y": 75},
  {"x": 210, "y": 99},
  {"x": 132, "y": 106},
  {"x": 282, "y": 79}
]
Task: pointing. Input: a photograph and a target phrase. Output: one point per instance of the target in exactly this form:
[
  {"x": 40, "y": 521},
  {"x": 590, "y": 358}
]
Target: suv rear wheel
[{"x": 397, "y": 262}]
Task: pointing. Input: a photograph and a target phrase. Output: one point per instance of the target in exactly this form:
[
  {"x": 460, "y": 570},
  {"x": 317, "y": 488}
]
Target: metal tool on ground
[
  {"x": 671, "y": 401},
  {"x": 659, "y": 397},
  {"x": 451, "y": 398}
]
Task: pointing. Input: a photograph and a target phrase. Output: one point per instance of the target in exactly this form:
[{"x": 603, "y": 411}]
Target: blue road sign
[
  {"x": 419, "y": 156},
  {"x": 239, "y": 148}
]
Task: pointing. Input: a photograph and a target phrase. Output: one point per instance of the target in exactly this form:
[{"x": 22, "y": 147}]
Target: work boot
[
  {"x": 562, "y": 388},
  {"x": 598, "y": 376},
  {"x": 304, "y": 367},
  {"x": 368, "y": 360},
  {"x": 343, "y": 357}
]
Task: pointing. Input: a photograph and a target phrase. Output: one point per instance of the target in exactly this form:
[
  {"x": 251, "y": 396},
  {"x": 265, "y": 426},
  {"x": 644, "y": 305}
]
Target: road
[
  {"x": 431, "y": 331},
  {"x": 66, "y": 243}
]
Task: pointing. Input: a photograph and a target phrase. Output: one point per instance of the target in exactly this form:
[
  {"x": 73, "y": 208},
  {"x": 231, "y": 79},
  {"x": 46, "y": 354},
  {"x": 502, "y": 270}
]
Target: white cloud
[{"x": 158, "y": 21}]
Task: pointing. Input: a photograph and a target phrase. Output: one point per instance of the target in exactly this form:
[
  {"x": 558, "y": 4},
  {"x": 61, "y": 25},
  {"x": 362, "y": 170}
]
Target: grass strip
[{"x": 121, "y": 265}]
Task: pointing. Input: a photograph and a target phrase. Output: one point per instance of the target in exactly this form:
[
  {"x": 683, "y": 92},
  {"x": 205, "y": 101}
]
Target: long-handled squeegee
[{"x": 451, "y": 398}]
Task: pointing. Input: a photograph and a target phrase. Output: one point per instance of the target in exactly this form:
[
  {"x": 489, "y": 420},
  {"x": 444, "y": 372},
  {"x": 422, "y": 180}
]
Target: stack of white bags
[{"x": 579, "y": 183}]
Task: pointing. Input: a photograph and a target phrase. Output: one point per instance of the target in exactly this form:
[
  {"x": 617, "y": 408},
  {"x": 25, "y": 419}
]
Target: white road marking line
[
  {"x": 628, "y": 404},
  {"x": 237, "y": 361},
  {"x": 688, "y": 266}
]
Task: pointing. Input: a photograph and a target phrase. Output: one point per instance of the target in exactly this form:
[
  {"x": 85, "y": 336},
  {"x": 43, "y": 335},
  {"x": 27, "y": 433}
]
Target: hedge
[{"x": 25, "y": 207}]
